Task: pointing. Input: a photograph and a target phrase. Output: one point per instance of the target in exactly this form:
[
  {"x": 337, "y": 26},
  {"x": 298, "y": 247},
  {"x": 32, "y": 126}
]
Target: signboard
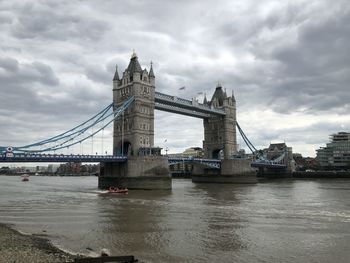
[{"x": 9, "y": 153}]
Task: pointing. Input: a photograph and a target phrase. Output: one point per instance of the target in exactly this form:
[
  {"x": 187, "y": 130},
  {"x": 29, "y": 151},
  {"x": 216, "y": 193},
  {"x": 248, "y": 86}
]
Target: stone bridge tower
[
  {"x": 134, "y": 134},
  {"x": 135, "y": 130},
  {"x": 220, "y": 139}
]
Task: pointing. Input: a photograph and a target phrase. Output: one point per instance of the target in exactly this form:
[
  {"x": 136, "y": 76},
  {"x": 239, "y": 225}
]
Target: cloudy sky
[{"x": 288, "y": 63}]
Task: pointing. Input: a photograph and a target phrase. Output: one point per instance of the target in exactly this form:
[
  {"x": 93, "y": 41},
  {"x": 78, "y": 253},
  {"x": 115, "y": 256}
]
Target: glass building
[{"x": 336, "y": 154}]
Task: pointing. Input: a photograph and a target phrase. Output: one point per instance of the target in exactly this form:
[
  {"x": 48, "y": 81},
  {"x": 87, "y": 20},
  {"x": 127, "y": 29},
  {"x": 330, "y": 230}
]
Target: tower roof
[
  {"x": 134, "y": 65},
  {"x": 219, "y": 95}
]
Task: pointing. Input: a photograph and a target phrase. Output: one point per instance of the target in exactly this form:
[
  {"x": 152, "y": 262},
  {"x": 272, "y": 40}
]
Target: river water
[{"x": 275, "y": 221}]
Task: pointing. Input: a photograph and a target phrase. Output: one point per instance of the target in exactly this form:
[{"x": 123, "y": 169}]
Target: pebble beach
[{"x": 17, "y": 248}]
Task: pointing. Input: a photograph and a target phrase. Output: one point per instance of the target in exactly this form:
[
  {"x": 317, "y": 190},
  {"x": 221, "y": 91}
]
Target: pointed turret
[
  {"x": 205, "y": 101},
  {"x": 233, "y": 97},
  {"x": 151, "y": 74},
  {"x": 116, "y": 75}
]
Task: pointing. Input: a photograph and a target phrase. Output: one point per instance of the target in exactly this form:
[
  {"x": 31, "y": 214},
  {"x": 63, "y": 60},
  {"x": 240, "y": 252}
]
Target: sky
[{"x": 288, "y": 63}]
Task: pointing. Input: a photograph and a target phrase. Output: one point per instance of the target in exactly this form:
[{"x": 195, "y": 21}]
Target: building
[
  {"x": 185, "y": 169},
  {"x": 304, "y": 163},
  {"x": 336, "y": 154}
]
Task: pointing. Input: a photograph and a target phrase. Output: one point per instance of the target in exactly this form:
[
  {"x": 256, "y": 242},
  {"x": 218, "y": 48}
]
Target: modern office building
[{"x": 336, "y": 154}]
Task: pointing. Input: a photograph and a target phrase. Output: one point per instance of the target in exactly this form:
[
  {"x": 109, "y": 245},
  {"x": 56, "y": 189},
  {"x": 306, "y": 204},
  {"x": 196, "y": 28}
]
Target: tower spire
[
  {"x": 133, "y": 55},
  {"x": 116, "y": 75},
  {"x": 151, "y": 74},
  {"x": 233, "y": 97},
  {"x": 205, "y": 101}
]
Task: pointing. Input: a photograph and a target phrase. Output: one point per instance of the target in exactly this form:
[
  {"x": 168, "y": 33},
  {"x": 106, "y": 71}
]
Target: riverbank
[
  {"x": 18, "y": 248},
  {"x": 321, "y": 174}
]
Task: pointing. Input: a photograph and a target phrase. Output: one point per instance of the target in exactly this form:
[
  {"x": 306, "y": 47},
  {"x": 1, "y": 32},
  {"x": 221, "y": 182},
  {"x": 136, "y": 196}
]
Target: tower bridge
[{"x": 136, "y": 162}]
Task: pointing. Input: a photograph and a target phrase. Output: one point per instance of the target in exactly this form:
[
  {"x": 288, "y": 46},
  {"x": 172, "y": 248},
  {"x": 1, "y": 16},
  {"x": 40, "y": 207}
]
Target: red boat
[
  {"x": 25, "y": 178},
  {"x": 117, "y": 190}
]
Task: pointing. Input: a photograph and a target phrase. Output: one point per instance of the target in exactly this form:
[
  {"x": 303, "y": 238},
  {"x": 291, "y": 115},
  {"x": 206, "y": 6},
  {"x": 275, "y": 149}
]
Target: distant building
[
  {"x": 52, "y": 168},
  {"x": 276, "y": 150},
  {"x": 336, "y": 154},
  {"x": 196, "y": 152},
  {"x": 304, "y": 163},
  {"x": 77, "y": 169}
]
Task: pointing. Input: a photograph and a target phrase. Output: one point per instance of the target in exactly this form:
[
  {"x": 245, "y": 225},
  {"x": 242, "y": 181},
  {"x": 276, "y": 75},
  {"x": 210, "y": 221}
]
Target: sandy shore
[{"x": 17, "y": 248}]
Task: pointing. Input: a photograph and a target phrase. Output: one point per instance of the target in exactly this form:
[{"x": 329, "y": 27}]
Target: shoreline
[{"x": 18, "y": 247}]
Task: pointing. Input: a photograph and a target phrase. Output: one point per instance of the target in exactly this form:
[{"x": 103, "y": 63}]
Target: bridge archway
[
  {"x": 217, "y": 154},
  {"x": 124, "y": 148}
]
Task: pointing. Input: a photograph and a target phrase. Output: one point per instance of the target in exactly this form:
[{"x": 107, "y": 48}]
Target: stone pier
[
  {"x": 233, "y": 171},
  {"x": 139, "y": 172}
]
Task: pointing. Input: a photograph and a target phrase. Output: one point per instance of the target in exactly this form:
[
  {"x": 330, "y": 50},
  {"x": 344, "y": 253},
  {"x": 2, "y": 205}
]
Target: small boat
[
  {"x": 116, "y": 190},
  {"x": 25, "y": 178}
]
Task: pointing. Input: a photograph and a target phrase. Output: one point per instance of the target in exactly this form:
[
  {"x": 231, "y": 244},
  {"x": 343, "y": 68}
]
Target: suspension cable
[
  {"x": 117, "y": 113},
  {"x": 65, "y": 134}
]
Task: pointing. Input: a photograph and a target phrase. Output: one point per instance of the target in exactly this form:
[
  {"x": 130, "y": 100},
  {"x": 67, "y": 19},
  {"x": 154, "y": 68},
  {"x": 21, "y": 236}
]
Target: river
[{"x": 274, "y": 221}]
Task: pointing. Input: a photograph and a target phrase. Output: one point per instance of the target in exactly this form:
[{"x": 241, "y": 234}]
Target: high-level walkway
[{"x": 181, "y": 106}]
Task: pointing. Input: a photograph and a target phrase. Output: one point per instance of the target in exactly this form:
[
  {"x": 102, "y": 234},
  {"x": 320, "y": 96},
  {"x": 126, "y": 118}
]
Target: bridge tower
[
  {"x": 220, "y": 139},
  {"x": 136, "y": 129},
  {"x": 133, "y": 134}
]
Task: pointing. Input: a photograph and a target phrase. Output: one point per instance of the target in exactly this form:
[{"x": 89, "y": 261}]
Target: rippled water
[{"x": 276, "y": 221}]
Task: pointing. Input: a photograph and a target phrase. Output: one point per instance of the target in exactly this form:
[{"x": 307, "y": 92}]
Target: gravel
[{"x": 17, "y": 248}]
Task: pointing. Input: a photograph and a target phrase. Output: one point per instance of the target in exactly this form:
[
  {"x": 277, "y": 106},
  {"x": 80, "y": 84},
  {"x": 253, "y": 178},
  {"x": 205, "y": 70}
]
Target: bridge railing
[
  {"x": 213, "y": 163},
  {"x": 35, "y": 157}
]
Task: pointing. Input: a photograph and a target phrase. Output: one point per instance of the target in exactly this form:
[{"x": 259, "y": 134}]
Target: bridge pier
[
  {"x": 273, "y": 173},
  {"x": 139, "y": 172},
  {"x": 232, "y": 171}
]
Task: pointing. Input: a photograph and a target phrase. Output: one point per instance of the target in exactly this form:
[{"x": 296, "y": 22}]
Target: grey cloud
[
  {"x": 98, "y": 74},
  {"x": 58, "y": 58},
  {"x": 9, "y": 64},
  {"x": 44, "y": 21}
]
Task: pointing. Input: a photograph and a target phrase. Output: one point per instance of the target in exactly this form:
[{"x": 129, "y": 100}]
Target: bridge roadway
[{"x": 60, "y": 158}]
